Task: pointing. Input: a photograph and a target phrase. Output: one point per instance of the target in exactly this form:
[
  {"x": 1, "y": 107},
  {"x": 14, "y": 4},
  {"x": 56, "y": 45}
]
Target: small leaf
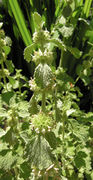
[
  {"x": 76, "y": 52},
  {"x": 7, "y": 159},
  {"x": 66, "y": 31},
  {"x": 25, "y": 170},
  {"x": 7, "y": 49},
  {"x": 52, "y": 140},
  {"x": 28, "y": 52},
  {"x": 33, "y": 109},
  {"x": 1, "y": 24},
  {"x": 2, "y": 132},
  {"x": 7, "y": 96},
  {"x": 38, "y": 20},
  {"x": 58, "y": 43},
  {"x": 70, "y": 111},
  {"x": 12, "y": 80},
  {"x": 10, "y": 66},
  {"x": 3, "y": 113}
]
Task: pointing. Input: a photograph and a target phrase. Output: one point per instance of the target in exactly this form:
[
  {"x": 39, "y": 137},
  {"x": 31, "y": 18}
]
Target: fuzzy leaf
[
  {"x": 51, "y": 138},
  {"x": 10, "y": 66},
  {"x": 43, "y": 75},
  {"x": 33, "y": 109},
  {"x": 6, "y": 159},
  {"x": 3, "y": 113},
  {"x": 28, "y": 51},
  {"x": 38, "y": 20},
  {"x": 2, "y": 132},
  {"x": 76, "y": 52},
  {"x": 39, "y": 153},
  {"x": 58, "y": 43},
  {"x": 25, "y": 170},
  {"x": 66, "y": 31},
  {"x": 7, "y": 49},
  {"x": 7, "y": 96},
  {"x": 7, "y": 176}
]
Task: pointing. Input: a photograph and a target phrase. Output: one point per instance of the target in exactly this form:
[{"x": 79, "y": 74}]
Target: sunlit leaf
[
  {"x": 39, "y": 153},
  {"x": 28, "y": 52},
  {"x": 7, "y": 159},
  {"x": 76, "y": 52},
  {"x": 38, "y": 20}
]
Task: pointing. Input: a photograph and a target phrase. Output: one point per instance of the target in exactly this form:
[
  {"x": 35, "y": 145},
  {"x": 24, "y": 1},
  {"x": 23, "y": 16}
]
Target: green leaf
[
  {"x": 1, "y": 24},
  {"x": 7, "y": 177},
  {"x": 76, "y": 52},
  {"x": 9, "y": 137},
  {"x": 33, "y": 109},
  {"x": 43, "y": 75},
  {"x": 38, "y": 20},
  {"x": 83, "y": 159},
  {"x": 28, "y": 52},
  {"x": 3, "y": 113},
  {"x": 10, "y": 66},
  {"x": 58, "y": 43},
  {"x": 7, "y": 159},
  {"x": 66, "y": 31},
  {"x": 25, "y": 170},
  {"x": 52, "y": 140},
  {"x": 79, "y": 159},
  {"x": 39, "y": 153},
  {"x": 12, "y": 80},
  {"x": 8, "y": 41},
  {"x": 7, "y": 49},
  {"x": 7, "y": 96},
  {"x": 2, "y": 132}
]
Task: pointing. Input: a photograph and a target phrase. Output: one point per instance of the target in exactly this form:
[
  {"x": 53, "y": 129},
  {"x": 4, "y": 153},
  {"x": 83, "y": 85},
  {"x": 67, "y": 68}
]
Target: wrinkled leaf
[
  {"x": 7, "y": 96},
  {"x": 2, "y": 132},
  {"x": 10, "y": 66},
  {"x": 28, "y": 52},
  {"x": 43, "y": 75},
  {"x": 66, "y": 31},
  {"x": 7, "y": 159},
  {"x": 39, "y": 153},
  {"x": 38, "y": 20},
  {"x": 7, "y": 49}
]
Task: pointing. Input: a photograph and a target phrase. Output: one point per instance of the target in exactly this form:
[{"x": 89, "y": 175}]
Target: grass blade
[
  {"x": 20, "y": 20},
  {"x": 87, "y": 7}
]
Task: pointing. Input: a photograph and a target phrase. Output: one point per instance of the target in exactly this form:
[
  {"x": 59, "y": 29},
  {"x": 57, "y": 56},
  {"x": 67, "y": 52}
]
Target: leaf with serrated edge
[{"x": 39, "y": 153}]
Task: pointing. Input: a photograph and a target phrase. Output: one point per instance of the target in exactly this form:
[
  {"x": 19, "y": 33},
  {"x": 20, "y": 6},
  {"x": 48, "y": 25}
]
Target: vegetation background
[{"x": 70, "y": 27}]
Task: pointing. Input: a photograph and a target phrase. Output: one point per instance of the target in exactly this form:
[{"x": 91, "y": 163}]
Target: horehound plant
[
  {"x": 51, "y": 153},
  {"x": 43, "y": 84}
]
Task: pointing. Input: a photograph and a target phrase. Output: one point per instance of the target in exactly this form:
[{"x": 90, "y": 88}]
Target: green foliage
[{"x": 48, "y": 137}]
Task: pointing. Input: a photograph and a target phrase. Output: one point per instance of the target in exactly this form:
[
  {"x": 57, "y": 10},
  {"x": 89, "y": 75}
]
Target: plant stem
[
  {"x": 2, "y": 66},
  {"x": 43, "y": 101},
  {"x": 55, "y": 100},
  {"x": 19, "y": 86},
  {"x": 63, "y": 138},
  {"x": 61, "y": 58}
]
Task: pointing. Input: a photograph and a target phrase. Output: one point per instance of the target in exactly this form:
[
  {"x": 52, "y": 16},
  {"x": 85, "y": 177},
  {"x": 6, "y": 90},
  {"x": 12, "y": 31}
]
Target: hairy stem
[
  {"x": 63, "y": 138},
  {"x": 43, "y": 102},
  {"x": 55, "y": 101},
  {"x": 4, "y": 78},
  {"x": 61, "y": 58}
]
